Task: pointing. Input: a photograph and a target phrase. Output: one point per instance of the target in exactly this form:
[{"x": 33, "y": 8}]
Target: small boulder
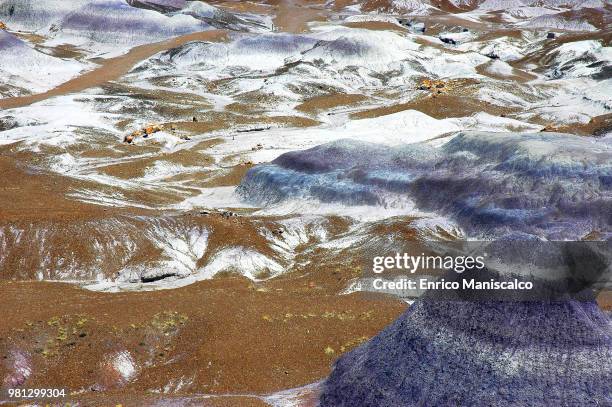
[
  {"x": 228, "y": 214},
  {"x": 433, "y": 85},
  {"x": 153, "y": 128}
]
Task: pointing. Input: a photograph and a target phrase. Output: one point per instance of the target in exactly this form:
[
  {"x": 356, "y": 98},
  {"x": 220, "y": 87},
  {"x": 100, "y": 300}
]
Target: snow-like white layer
[
  {"x": 546, "y": 6},
  {"x": 217, "y": 197},
  {"x": 501, "y": 4},
  {"x": 302, "y": 230},
  {"x": 24, "y": 67},
  {"x": 573, "y": 4},
  {"x": 169, "y": 142},
  {"x": 247, "y": 262},
  {"x": 356, "y": 18},
  {"x": 35, "y": 15},
  {"x": 182, "y": 249},
  {"x": 572, "y": 101},
  {"x": 164, "y": 169},
  {"x": 293, "y": 397},
  {"x": 499, "y": 68},
  {"x": 54, "y": 121},
  {"x": 504, "y": 48},
  {"x": 373, "y": 49},
  {"x": 414, "y": 7},
  {"x": 456, "y": 37},
  {"x": 521, "y": 13},
  {"x": 486, "y": 122},
  {"x": 575, "y": 59},
  {"x": 124, "y": 364},
  {"x": 223, "y": 18},
  {"x": 438, "y": 228},
  {"x": 558, "y": 22},
  {"x": 405, "y": 127},
  {"x": 409, "y": 126},
  {"x": 359, "y": 213},
  {"x": 450, "y": 66},
  {"x": 264, "y": 52},
  {"x": 201, "y": 9}
]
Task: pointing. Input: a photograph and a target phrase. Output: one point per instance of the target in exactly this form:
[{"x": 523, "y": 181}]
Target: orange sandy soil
[
  {"x": 376, "y": 26},
  {"x": 222, "y": 336},
  {"x": 289, "y": 16},
  {"x": 517, "y": 74},
  {"x": 28, "y": 194},
  {"x": 604, "y": 299},
  {"x": 596, "y": 126},
  {"x": 455, "y": 99},
  {"x": 439, "y": 106},
  {"x": 321, "y": 103}
]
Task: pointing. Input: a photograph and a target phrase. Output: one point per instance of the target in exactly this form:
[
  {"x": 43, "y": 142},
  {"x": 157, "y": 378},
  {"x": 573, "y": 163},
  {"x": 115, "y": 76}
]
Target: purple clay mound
[
  {"x": 456, "y": 353},
  {"x": 113, "y": 20},
  {"x": 552, "y": 185}
]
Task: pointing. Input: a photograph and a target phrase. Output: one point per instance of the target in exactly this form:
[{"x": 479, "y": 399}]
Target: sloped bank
[{"x": 476, "y": 354}]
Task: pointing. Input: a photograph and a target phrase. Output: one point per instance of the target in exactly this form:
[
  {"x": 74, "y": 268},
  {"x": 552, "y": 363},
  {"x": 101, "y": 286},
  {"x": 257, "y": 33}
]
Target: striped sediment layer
[{"x": 481, "y": 353}]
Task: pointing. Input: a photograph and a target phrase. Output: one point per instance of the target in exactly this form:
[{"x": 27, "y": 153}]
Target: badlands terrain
[{"x": 188, "y": 189}]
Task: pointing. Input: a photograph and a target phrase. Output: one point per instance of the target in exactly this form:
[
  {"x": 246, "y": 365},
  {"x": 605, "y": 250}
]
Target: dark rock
[{"x": 156, "y": 277}]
